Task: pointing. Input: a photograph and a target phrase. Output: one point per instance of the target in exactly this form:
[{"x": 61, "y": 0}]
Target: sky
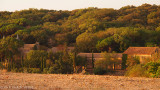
[{"x": 16, "y": 5}]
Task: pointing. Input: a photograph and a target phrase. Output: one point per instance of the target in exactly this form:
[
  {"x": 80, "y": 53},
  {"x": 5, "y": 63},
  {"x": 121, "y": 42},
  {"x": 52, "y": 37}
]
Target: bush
[
  {"x": 158, "y": 73},
  {"x": 36, "y": 59},
  {"x": 34, "y": 70},
  {"x": 100, "y": 67},
  {"x": 99, "y": 71},
  {"x": 14, "y": 70},
  {"x": 53, "y": 70},
  {"x": 9, "y": 67},
  {"x": 20, "y": 70},
  {"x": 131, "y": 61},
  {"x": 137, "y": 71},
  {"x": 45, "y": 70},
  {"x": 153, "y": 68},
  {"x": 49, "y": 63},
  {"x": 25, "y": 70},
  {"x": 1, "y": 65}
]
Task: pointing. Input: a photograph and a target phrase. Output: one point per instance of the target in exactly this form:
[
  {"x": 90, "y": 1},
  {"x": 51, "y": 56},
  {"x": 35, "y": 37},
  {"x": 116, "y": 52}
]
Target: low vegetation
[{"x": 148, "y": 69}]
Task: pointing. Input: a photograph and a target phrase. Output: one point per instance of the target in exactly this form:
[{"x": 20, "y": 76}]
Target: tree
[
  {"x": 36, "y": 59},
  {"x": 106, "y": 44},
  {"x": 9, "y": 47},
  {"x": 40, "y": 36},
  {"x": 101, "y": 66},
  {"x": 64, "y": 64},
  {"x": 86, "y": 42}
]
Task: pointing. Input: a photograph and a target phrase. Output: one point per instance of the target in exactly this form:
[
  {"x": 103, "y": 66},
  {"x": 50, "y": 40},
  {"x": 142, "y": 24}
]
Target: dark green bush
[
  {"x": 20, "y": 70},
  {"x": 45, "y": 70},
  {"x": 9, "y": 67},
  {"x": 34, "y": 70},
  {"x": 51, "y": 70},
  {"x": 153, "y": 68},
  {"x": 1, "y": 65},
  {"x": 158, "y": 73},
  {"x": 99, "y": 71},
  {"x": 14, "y": 70},
  {"x": 54, "y": 69}
]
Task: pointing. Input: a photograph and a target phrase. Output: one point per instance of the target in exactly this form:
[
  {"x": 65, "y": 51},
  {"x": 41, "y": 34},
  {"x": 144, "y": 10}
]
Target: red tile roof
[{"x": 140, "y": 50}]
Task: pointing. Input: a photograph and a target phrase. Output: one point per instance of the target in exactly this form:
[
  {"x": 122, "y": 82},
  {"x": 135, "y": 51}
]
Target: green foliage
[
  {"x": 36, "y": 59},
  {"x": 101, "y": 66},
  {"x": 1, "y": 65},
  {"x": 9, "y": 48},
  {"x": 106, "y": 44},
  {"x": 152, "y": 68},
  {"x": 34, "y": 70},
  {"x": 158, "y": 73},
  {"x": 54, "y": 70},
  {"x": 124, "y": 59},
  {"x": 86, "y": 42},
  {"x": 137, "y": 71},
  {"x": 80, "y": 61},
  {"x": 115, "y": 29},
  {"x": 64, "y": 63},
  {"x": 99, "y": 71},
  {"x": 158, "y": 28},
  {"x": 40, "y": 36},
  {"x": 131, "y": 61}
]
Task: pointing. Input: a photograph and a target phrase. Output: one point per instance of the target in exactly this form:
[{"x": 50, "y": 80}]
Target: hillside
[{"x": 88, "y": 29}]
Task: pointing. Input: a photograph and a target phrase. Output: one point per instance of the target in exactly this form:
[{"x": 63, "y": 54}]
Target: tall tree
[{"x": 9, "y": 47}]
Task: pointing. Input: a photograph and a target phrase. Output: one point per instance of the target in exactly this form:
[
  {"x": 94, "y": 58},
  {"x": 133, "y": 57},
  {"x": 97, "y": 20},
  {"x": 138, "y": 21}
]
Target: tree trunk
[{"x": 22, "y": 61}]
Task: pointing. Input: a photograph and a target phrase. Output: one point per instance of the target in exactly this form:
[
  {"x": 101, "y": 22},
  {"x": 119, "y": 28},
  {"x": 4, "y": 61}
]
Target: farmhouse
[
  {"x": 142, "y": 52},
  {"x": 27, "y": 47}
]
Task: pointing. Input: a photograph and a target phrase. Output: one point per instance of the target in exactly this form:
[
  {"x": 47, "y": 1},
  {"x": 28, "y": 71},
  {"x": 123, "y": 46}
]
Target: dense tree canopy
[{"x": 91, "y": 28}]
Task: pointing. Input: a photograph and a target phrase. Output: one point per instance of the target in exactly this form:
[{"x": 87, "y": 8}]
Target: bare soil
[{"x": 21, "y": 81}]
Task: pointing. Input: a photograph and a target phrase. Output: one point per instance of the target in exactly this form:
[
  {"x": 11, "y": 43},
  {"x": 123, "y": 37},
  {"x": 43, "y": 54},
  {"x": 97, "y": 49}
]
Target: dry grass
[{"x": 75, "y": 82}]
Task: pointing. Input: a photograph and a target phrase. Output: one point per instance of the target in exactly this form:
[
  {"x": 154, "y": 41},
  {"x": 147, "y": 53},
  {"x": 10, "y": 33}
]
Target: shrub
[
  {"x": 101, "y": 67},
  {"x": 99, "y": 71},
  {"x": 137, "y": 71},
  {"x": 131, "y": 61},
  {"x": 36, "y": 59},
  {"x": 80, "y": 61},
  {"x": 158, "y": 73},
  {"x": 1, "y": 65},
  {"x": 34, "y": 70},
  {"x": 20, "y": 70},
  {"x": 49, "y": 63},
  {"x": 45, "y": 70},
  {"x": 124, "y": 58},
  {"x": 14, "y": 70},
  {"x": 25, "y": 70},
  {"x": 9, "y": 67},
  {"x": 152, "y": 68},
  {"x": 53, "y": 70}
]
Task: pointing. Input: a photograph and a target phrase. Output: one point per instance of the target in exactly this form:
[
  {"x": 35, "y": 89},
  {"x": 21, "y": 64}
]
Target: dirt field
[{"x": 23, "y": 81}]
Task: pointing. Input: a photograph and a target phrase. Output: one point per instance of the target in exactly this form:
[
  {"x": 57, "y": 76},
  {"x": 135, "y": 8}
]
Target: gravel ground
[{"x": 21, "y": 81}]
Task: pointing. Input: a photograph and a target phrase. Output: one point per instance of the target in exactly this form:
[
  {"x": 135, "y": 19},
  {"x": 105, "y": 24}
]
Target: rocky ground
[{"x": 27, "y": 81}]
